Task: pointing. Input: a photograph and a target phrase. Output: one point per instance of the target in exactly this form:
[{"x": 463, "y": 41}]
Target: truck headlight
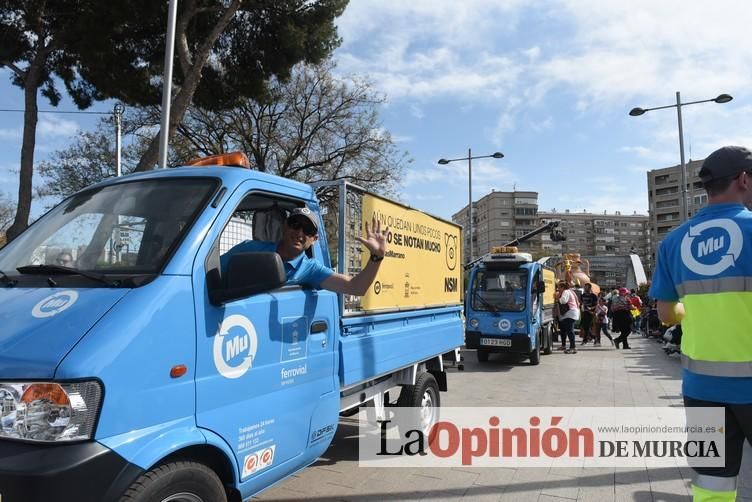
[
  {"x": 49, "y": 411},
  {"x": 520, "y": 324},
  {"x": 474, "y": 323}
]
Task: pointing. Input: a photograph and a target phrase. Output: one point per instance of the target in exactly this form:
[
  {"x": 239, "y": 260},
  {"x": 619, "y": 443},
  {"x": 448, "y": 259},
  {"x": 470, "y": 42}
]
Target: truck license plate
[{"x": 499, "y": 342}]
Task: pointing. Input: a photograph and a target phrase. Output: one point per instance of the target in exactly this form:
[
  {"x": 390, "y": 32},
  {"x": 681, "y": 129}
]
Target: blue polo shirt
[{"x": 301, "y": 270}]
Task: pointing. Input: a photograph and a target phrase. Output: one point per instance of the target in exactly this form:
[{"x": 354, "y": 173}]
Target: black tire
[
  {"x": 548, "y": 343},
  {"x": 536, "y": 353},
  {"x": 424, "y": 397},
  {"x": 180, "y": 481},
  {"x": 482, "y": 355}
]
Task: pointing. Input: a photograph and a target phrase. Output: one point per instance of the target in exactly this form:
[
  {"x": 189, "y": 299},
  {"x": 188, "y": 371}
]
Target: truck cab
[
  {"x": 139, "y": 363},
  {"x": 505, "y": 307}
]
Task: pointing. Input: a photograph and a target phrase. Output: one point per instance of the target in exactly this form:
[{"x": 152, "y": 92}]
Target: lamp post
[
  {"x": 118, "y": 112},
  {"x": 469, "y": 159},
  {"x": 634, "y": 112},
  {"x": 164, "y": 129}
]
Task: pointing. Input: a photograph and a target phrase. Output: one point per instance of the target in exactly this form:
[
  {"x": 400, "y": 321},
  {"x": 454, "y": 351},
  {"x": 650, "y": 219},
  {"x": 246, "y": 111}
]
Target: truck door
[{"x": 265, "y": 377}]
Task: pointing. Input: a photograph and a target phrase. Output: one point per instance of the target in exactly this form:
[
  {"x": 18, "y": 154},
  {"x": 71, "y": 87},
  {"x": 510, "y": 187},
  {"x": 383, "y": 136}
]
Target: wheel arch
[{"x": 214, "y": 458}]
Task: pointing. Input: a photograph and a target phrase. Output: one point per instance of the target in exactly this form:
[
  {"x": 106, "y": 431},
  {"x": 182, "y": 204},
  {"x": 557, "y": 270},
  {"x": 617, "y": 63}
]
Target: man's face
[
  {"x": 588, "y": 287},
  {"x": 299, "y": 233}
]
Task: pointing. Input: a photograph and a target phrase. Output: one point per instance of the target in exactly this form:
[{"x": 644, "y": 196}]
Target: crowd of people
[{"x": 617, "y": 311}]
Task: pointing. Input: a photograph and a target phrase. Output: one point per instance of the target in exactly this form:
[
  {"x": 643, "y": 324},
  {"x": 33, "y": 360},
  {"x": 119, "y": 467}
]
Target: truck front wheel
[
  {"x": 548, "y": 342},
  {"x": 180, "y": 481},
  {"x": 536, "y": 353}
]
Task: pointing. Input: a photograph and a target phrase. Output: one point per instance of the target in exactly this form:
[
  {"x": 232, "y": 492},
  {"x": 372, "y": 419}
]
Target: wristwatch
[{"x": 376, "y": 258}]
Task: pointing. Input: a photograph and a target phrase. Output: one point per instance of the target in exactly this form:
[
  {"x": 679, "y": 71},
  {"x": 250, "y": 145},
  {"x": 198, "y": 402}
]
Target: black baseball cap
[
  {"x": 305, "y": 213},
  {"x": 726, "y": 162}
]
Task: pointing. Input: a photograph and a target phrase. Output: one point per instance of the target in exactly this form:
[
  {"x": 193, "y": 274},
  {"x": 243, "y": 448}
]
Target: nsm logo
[{"x": 450, "y": 284}]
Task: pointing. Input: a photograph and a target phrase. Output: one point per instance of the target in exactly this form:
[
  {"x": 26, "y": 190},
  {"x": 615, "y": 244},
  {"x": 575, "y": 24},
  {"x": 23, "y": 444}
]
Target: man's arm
[
  {"x": 357, "y": 285},
  {"x": 375, "y": 242},
  {"x": 670, "y": 312}
]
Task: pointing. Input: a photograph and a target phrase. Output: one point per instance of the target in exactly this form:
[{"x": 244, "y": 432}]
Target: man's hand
[
  {"x": 375, "y": 239},
  {"x": 670, "y": 312}
]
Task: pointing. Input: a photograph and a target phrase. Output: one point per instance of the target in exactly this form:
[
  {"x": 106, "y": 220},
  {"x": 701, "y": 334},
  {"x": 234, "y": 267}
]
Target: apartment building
[
  {"x": 498, "y": 218},
  {"x": 664, "y": 200},
  {"x": 598, "y": 233}
]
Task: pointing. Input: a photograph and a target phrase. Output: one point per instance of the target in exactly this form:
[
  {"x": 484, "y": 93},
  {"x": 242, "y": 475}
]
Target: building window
[
  {"x": 666, "y": 191},
  {"x": 700, "y": 200}
]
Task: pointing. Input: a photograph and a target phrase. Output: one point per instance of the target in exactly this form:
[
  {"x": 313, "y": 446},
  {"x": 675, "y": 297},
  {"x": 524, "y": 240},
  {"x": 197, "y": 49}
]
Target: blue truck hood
[{"x": 39, "y": 326}]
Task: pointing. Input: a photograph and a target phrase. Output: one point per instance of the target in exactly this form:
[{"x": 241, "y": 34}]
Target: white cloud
[
  {"x": 11, "y": 134},
  {"x": 50, "y": 126},
  {"x": 543, "y": 125},
  {"x": 612, "y": 52},
  {"x": 416, "y": 112}
]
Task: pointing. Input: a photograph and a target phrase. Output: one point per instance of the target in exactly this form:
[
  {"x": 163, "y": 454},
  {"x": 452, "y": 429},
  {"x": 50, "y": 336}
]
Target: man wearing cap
[
  {"x": 703, "y": 279},
  {"x": 300, "y": 231}
]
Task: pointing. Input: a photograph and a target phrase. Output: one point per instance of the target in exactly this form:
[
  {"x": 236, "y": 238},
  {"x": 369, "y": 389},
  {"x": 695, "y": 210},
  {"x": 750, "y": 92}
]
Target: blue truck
[
  {"x": 509, "y": 302},
  {"x": 143, "y": 371}
]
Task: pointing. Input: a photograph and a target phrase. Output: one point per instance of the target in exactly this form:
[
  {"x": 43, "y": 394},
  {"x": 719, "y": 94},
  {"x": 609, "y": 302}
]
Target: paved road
[{"x": 643, "y": 376}]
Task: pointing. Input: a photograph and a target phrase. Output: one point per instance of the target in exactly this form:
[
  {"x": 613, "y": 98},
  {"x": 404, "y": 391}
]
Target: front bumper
[
  {"x": 520, "y": 343},
  {"x": 79, "y": 472}
]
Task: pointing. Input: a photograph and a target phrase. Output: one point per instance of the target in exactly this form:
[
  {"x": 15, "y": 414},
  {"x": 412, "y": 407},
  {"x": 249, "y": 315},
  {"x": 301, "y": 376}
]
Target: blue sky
[{"x": 548, "y": 83}]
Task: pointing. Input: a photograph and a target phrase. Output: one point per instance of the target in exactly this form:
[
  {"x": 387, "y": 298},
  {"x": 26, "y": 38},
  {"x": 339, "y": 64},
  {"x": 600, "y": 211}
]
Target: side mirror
[
  {"x": 541, "y": 286},
  {"x": 248, "y": 274}
]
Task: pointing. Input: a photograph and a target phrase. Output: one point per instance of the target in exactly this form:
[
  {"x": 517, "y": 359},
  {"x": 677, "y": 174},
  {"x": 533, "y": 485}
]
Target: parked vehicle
[
  {"x": 509, "y": 303},
  {"x": 144, "y": 371}
]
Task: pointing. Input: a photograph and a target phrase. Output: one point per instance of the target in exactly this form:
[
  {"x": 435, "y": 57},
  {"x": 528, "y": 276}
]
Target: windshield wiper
[
  {"x": 486, "y": 303},
  {"x": 47, "y": 269},
  {"x": 8, "y": 280}
]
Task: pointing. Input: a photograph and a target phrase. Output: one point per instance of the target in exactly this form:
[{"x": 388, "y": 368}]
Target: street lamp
[
  {"x": 118, "y": 111},
  {"x": 635, "y": 112},
  {"x": 164, "y": 128},
  {"x": 469, "y": 159}
]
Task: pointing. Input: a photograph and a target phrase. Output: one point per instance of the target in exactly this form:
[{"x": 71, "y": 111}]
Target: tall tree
[
  {"x": 224, "y": 50},
  {"x": 31, "y": 46}
]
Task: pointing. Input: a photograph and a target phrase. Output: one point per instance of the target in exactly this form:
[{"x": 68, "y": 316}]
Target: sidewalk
[{"x": 603, "y": 376}]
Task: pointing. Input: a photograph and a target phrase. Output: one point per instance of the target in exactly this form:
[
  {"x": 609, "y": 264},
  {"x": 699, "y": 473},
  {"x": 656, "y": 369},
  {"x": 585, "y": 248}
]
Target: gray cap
[
  {"x": 306, "y": 213},
  {"x": 726, "y": 162}
]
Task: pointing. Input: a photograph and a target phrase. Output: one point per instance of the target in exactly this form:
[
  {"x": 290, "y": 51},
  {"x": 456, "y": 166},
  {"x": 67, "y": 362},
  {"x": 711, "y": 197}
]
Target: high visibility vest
[{"x": 706, "y": 263}]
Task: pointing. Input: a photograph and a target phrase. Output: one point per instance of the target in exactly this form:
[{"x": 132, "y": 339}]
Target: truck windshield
[
  {"x": 127, "y": 228},
  {"x": 499, "y": 290}
]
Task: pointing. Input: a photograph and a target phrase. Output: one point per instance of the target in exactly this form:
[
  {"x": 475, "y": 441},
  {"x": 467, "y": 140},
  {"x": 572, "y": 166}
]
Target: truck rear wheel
[
  {"x": 181, "y": 481},
  {"x": 424, "y": 397},
  {"x": 482, "y": 355}
]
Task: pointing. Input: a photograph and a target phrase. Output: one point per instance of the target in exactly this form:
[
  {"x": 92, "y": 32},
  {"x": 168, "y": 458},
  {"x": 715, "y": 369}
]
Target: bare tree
[
  {"x": 310, "y": 128},
  {"x": 313, "y": 127}
]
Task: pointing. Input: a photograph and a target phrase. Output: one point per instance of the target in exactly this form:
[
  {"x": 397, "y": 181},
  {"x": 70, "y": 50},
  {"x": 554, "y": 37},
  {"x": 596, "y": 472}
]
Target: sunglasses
[{"x": 298, "y": 224}]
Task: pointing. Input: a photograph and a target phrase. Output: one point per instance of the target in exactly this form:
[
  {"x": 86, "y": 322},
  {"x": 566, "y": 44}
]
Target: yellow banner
[{"x": 423, "y": 264}]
